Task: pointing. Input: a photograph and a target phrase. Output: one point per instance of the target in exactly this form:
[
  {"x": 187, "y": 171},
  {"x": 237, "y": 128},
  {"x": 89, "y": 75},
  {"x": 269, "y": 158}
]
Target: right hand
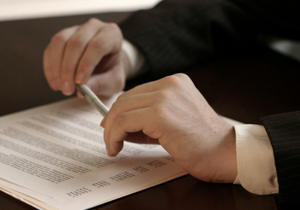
[
  {"x": 172, "y": 112},
  {"x": 89, "y": 53}
]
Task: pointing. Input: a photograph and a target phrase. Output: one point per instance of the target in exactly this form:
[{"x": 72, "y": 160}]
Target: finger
[
  {"x": 125, "y": 123},
  {"x": 79, "y": 95},
  {"x": 140, "y": 98},
  {"x": 73, "y": 52},
  {"x": 53, "y": 55},
  {"x": 108, "y": 62},
  {"x": 128, "y": 104},
  {"x": 140, "y": 89},
  {"x": 138, "y": 138},
  {"x": 107, "y": 41},
  {"x": 165, "y": 83},
  {"x": 108, "y": 83}
]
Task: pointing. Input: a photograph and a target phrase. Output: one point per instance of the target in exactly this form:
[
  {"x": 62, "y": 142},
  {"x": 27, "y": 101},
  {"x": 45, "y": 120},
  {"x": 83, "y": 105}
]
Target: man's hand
[
  {"x": 173, "y": 113},
  {"x": 89, "y": 53}
]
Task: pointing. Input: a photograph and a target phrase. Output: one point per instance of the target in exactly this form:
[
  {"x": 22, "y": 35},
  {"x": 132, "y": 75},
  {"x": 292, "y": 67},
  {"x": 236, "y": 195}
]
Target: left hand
[
  {"x": 173, "y": 113},
  {"x": 90, "y": 53}
]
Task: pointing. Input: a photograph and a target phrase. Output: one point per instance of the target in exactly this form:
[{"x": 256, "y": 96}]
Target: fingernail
[
  {"x": 79, "y": 78},
  {"x": 67, "y": 88},
  {"x": 112, "y": 151},
  {"x": 108, "y": 151},
  {"x": 102, "y": 124}
]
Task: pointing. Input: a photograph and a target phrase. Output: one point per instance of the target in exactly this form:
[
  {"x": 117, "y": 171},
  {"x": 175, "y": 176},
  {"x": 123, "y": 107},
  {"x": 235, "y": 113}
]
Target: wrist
[
  {"x": 135, "y": 59},
  {"x": 126, "y": 64},
  {"x": 222, "y": 158},
  {"x": 230, "y": 166},
  {"x": 218, "y": 161}
]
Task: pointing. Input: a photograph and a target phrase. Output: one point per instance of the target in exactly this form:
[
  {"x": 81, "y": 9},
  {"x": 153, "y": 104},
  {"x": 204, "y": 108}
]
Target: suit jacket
[{"x": 179, "y": 34}]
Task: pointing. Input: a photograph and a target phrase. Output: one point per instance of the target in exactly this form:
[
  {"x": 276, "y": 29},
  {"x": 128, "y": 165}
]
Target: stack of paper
[{"x": 54, "y": 157}]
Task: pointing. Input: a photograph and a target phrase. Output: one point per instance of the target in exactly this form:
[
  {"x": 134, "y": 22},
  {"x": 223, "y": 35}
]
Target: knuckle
[
  {"x": 118, "y": 31},
  {"x": 164, "y": 95},
  {"x": 75, "y": 42},
  {"x": 114, "y": 27},
  {"x": 115, "y": 30},
  {"x": 96, "y": 44},
  {"x": 94, "y": 21},
  {"x": 159, "y": 111},
  {"x": 182, "y": 75},
  {"x": 173, "y": 80}
]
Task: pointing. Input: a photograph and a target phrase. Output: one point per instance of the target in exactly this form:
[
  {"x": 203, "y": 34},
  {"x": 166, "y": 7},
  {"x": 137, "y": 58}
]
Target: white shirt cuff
[
  {"x": 255, "y": 160},
  {"x": 135, "y": 57}
]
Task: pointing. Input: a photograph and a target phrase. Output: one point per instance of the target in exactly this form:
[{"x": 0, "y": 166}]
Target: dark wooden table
[{"x": 253, "y": 83}]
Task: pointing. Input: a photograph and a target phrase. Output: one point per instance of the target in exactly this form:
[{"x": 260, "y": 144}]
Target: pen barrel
[
  {"x": 100, "y": 106},
  {"x": 92, "y": 99}
]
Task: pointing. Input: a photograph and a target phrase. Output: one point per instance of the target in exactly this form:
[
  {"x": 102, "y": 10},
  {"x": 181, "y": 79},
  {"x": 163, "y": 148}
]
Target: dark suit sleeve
[
  {"x": 284, "y": 133},
  {"x": 179, "y": 34}
]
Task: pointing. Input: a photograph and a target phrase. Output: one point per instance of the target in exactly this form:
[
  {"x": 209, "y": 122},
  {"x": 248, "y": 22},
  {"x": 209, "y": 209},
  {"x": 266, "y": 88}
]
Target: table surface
[{"x": 245, "y": 86}]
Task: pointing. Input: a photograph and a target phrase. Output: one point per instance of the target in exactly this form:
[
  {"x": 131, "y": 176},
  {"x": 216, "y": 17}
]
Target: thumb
[{"x": 107, "y": 83}]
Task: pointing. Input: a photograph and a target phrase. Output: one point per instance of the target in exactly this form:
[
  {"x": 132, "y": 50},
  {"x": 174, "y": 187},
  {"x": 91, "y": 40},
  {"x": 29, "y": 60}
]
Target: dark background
[{"x": 245, "y": 86}]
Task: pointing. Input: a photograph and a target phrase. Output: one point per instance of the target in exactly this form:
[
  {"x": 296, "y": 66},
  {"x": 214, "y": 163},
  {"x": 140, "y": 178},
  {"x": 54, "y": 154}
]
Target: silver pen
[{"x": 90, "y": 96}]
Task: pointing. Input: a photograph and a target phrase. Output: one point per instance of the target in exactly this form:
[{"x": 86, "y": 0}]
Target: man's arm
[
  {"x": 173, "y": 37},
  {"x": 255, "y": 159},
  {"x": 178, "y": 35},
  {"x": 284, "y": 132}
]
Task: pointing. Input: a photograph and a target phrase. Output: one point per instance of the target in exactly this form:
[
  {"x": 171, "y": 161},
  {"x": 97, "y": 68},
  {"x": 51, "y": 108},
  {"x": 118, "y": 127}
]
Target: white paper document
[
  {"x": 54, "y": 157},
  {"x": 24, "y": 9}
]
